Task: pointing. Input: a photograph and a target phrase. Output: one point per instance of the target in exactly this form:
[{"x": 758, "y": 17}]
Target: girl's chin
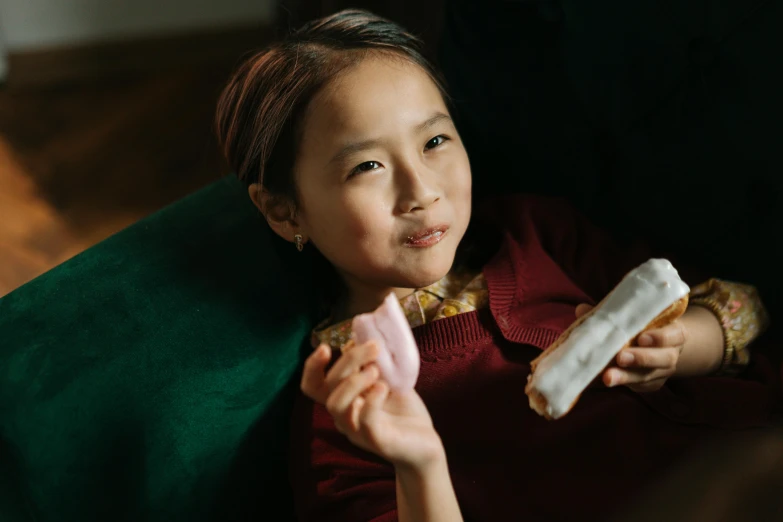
[
  {"x": 410, "y": 274},
  {"x": 422, "y": 279}
]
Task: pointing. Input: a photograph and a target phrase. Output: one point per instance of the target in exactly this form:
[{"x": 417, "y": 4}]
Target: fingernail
[
  {"x": 645, "y": 340},
  {"x": 625, "y": 358}
]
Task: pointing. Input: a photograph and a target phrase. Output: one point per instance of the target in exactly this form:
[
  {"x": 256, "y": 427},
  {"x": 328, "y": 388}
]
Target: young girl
[{"x": 344, "y": 137}]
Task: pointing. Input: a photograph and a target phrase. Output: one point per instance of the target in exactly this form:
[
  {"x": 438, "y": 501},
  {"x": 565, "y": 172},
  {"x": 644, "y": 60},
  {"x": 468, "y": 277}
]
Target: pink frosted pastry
[{"x": 398, "y": 361}]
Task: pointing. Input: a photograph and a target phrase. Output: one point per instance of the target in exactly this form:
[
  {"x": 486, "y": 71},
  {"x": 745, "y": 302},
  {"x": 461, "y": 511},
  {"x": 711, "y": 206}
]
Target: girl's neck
[{"x": 361, "y": 299}]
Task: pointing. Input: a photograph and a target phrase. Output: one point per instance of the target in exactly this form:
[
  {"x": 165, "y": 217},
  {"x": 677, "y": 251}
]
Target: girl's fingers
[
  {"x": 671, "y": 335},
  {"x": 339, "y": 401},
  {"x": 313, "y": 378},
  {"x": 350, "y": 363},
  {"x": 355, "y": 412},
  {"x": 648, "y": 358},
  {"x": 617, "y": 377},
  {"x": 582, "y": 309},
  {"x": 373, "y": 403}
]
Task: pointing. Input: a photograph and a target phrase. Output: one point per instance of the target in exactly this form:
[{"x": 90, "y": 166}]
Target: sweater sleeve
[{"x": 332, "y": 479}]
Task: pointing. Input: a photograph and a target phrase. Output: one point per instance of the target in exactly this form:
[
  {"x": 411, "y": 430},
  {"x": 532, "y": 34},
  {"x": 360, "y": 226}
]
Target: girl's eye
[
  {"x": 367, "y": 166},
  {"x": 435, "y": 142}
]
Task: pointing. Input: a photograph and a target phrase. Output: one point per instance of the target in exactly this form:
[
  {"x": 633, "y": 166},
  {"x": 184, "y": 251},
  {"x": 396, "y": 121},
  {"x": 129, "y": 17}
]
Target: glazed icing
[{"x": 640, "y": 297}]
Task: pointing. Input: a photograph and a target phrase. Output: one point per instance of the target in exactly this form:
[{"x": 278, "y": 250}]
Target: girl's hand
[
  {"x": 645, "y": 366},
  {"x": 394, "y": 425}
]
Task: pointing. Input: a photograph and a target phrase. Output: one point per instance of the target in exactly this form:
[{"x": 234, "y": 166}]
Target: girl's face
[{"x": 383, "y": 178}]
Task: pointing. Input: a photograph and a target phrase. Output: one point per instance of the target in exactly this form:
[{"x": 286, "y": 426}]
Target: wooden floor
[{"x": 81, "y": 158}]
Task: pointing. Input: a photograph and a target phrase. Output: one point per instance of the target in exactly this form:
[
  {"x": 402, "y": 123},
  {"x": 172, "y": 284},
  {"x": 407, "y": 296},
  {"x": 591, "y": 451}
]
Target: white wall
[
  {"x": 30, "y": 24},
  {"x": 3, "y": 57}
]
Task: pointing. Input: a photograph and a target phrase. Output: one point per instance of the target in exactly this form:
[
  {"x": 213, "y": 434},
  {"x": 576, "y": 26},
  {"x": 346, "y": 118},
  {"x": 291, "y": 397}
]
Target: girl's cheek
[
  {"x": 367, "y": 231},
  {"x": 362, "y": 218},
  {"x": 360, "y": 225}
]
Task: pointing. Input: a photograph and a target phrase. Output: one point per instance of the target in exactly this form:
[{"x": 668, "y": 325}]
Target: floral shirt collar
[{"x": 459, "y": 292}]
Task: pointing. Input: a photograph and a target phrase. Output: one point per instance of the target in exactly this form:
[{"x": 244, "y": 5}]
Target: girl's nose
[{"x": 416, "y": 191}]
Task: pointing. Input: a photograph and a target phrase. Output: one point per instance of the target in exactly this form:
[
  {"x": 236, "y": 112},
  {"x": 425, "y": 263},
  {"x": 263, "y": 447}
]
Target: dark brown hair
[{"x": 260, "y": 112}]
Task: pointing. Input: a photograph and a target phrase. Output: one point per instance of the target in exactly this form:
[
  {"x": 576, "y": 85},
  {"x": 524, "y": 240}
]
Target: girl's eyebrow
[
  {"x": 359, "y": 146},
  {"x": 433, "y": 120},
  {"x": 353, "y": 148}
]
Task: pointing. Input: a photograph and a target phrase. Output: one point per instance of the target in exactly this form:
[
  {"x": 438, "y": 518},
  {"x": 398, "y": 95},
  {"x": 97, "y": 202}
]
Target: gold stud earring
[{"x": 299, "y": 240}]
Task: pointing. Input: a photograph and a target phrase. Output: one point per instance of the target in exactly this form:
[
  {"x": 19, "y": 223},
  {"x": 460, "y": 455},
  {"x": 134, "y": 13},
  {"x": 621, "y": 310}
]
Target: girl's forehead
[{"x": 377, "y": 90}]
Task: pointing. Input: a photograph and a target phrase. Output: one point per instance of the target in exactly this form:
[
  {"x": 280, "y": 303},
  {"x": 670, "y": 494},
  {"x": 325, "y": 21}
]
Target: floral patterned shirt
[
  {"x": 737, "y": 306},
  {"x": 741, "y": 313},
  {"x": 457, "y": 293}
]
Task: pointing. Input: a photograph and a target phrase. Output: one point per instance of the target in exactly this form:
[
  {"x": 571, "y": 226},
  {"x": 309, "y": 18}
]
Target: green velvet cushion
[{"x": 150, "y": 378}]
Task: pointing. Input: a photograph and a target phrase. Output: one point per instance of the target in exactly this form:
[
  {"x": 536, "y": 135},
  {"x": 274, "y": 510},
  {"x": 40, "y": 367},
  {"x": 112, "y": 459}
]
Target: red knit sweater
[{"x": 506, "y": 462}]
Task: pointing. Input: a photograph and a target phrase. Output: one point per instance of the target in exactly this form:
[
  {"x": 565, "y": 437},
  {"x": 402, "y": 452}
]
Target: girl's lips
[{"x": 428, "y": 237}]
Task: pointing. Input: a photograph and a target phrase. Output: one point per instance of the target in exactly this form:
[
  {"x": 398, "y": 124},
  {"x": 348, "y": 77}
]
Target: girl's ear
[{"x": 278, "y": 212}]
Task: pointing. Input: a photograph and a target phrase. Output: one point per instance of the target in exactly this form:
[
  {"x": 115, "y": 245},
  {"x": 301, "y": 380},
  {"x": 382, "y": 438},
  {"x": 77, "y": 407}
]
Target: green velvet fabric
[{"x": 150, "y": 378}]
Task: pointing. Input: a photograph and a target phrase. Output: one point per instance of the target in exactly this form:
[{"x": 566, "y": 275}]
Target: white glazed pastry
[
  {"x": 399, "y": 360},
  {"x": 650, "y": 296}
]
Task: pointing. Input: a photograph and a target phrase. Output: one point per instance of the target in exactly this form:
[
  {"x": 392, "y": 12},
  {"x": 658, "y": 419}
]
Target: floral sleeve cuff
[{"x": 741, "y": 314}]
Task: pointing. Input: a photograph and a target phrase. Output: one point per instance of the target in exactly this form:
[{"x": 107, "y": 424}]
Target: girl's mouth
[{"x": 428, "y": 237}]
